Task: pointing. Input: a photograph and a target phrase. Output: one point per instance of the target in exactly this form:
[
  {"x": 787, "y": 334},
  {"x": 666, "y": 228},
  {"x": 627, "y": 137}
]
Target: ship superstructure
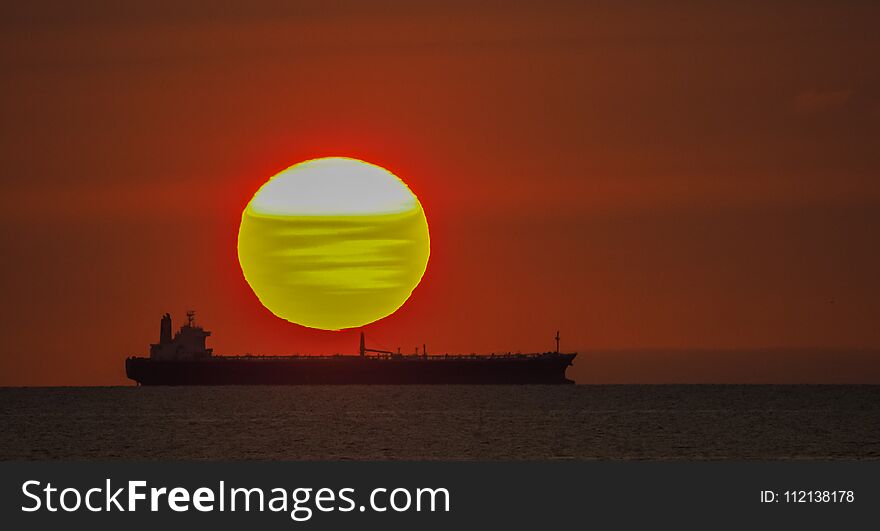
[{"x": 187, "y": 344}]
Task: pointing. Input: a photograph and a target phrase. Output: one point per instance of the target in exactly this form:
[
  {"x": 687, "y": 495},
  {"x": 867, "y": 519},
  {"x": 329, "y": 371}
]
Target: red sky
[{"x": 701, "y": 177}]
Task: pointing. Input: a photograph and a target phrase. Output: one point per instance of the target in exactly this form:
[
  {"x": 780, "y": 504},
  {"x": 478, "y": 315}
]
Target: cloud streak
[{"x": 813, "y": 101}]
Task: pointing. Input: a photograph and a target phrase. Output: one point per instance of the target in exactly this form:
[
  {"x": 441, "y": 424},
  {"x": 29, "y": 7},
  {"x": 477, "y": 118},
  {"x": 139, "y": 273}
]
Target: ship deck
[{"x": 404, "y": 357}]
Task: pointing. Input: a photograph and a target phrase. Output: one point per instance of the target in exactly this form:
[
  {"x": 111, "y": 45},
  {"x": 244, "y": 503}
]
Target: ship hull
[{"x": 351, "y": 370}]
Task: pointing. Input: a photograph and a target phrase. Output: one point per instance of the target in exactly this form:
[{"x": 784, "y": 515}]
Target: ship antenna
[
  {"x": 557, "y": 341},
  {"x": 191, "y": 318}
]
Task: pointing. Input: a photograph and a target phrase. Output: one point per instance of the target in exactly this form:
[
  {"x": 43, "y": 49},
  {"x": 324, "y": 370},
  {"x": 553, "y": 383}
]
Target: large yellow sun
[{"x": 333, "y": 243}]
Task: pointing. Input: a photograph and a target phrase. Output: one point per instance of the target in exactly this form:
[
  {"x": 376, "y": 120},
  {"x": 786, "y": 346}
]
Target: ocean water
[{"x": 441, "y": 422}]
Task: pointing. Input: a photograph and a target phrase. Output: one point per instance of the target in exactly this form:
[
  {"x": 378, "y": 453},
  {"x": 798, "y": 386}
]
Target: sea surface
[{"x": 441, "y": 422}]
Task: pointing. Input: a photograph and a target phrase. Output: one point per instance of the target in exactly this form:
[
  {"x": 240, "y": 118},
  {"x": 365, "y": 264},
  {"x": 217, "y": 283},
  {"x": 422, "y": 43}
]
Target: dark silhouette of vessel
[{"x": 184, "y": 360}]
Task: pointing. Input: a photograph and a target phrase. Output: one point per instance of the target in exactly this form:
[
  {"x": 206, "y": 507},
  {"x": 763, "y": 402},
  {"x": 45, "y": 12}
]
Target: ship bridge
[{"x": 187, "y": 344}]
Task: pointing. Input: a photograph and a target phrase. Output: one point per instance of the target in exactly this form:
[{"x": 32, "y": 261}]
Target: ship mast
[{"x": 557, "y": 341}]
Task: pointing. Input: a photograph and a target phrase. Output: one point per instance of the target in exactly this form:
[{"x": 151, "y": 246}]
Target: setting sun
[{"x": 333, "y": 243}]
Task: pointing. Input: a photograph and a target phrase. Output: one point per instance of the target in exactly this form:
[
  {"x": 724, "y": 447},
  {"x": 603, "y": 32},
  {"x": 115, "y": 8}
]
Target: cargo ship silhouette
[{"x": 184, "y": 360}]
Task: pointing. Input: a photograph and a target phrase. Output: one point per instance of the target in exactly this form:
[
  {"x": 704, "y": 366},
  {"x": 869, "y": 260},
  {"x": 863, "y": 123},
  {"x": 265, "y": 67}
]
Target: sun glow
[{"x": 333, "y": 243}]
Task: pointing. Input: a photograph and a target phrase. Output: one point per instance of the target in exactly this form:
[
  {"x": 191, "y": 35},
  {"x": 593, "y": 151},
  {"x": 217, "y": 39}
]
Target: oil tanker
[{"x": 183, "y": 359}]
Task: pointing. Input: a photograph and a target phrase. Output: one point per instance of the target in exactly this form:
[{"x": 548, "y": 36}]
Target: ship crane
[{"x": 364, "y": 348}]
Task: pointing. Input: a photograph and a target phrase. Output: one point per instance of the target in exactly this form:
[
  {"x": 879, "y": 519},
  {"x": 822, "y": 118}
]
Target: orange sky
[{"x": 704, "y": 177}]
